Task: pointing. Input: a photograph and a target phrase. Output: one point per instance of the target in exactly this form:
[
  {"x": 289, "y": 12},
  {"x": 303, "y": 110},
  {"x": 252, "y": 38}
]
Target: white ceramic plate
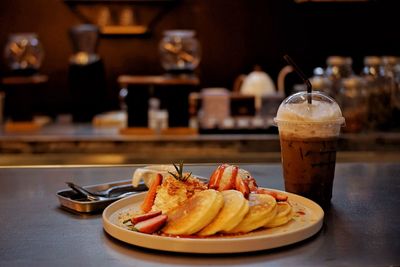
[{"x": 306, "y": 222}]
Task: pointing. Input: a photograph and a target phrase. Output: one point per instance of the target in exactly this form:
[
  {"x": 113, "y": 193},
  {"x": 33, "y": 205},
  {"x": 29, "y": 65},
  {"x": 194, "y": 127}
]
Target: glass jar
[
  {"x": 320, "y": 82},
  {"x": 379, "y": 94},
  {"x": 24, "y": 52},
  {"x": 391, "y": 65},
  {"x": 179, "y": 51},
  {"x": 338, "y": 68},
  {"x": 353, "y": 100}
]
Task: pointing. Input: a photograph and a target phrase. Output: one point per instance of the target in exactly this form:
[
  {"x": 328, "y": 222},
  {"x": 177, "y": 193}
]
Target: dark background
[{"x": 235, "y": 35}]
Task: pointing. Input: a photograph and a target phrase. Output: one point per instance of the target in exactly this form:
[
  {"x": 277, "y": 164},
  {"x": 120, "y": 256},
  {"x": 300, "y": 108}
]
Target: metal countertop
[{"x": 360, "y": 229}]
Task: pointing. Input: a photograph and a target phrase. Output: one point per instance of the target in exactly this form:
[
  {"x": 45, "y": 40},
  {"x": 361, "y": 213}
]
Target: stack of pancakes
[{"x": 210, "y": 212}]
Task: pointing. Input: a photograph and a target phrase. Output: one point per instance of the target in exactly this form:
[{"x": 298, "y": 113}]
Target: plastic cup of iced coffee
[{"x": 308, "y": 135}]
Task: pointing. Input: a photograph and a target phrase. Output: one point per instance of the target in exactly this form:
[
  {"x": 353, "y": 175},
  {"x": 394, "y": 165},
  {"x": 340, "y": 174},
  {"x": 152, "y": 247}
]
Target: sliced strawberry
[
  {"x": 241, "y": 186},
  {"x": 276, "y": 195},
  {"x": 151, "y": 225},
  {"x": 281, "y": 197},
  {"x": 251, "y": 183},
  {"x": 151, "y": 194},
  {"x": 216, "y": 176},
  {"x": 232, "y": 181},
  {"x": 146, "y": 216}
]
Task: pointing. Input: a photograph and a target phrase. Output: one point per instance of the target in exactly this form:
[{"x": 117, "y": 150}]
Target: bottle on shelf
[
  {"x": 320, "y": 82},
  {"x": 379, "y": 94},
  {"x": 353, "y": 100},
  {"x": 157, "y": 118},
  {"x": 154, "y": 108},
  {"x": 338, "y": 68},
  {"x": 391, "y": 66}
]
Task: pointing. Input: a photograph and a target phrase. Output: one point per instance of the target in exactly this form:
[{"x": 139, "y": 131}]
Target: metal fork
[{"x": 106, "y": 195}]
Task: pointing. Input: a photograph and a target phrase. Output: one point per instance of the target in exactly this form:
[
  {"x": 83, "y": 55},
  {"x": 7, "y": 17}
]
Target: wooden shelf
[
  {"x": 174, "y": 131},
  {"x": 120, "y": 17},
  {"x": 18, "y": 80},
  {"x": 118, "y": 1},
  {"x": 125, "y": 80},
  {"x": 115, "y": 29}
]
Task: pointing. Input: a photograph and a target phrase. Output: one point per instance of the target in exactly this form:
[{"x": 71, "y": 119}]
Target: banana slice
[
  {"x": 234, "y": 209},
  {"x": 149, "y": 172},
  {"x": 195, "y": 213},
  {"x": 284, "y": 215},
  {"x": 263, "y": 209}
]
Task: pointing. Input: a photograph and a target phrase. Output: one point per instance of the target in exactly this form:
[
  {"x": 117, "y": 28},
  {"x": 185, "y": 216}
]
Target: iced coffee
[{"x": 308, "y": 136}]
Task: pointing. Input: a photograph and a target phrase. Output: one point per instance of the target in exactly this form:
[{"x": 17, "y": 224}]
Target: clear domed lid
[
  {"x": 296, "y": 108},
  {"x": 302, "y": 97}
]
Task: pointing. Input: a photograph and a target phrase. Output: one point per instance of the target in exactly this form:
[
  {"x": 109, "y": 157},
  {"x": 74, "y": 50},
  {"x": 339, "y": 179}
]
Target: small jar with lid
[
  {"x": 338, "y": 68},
  {"x": 320, "y": 82},
  {"x": 353, "y": 100},
  {"x": 391, "y": 65},
  {"x": 179, "y": 51},
  {"x": 24, "y": 53},
  {"x": 378, "y": 93}
]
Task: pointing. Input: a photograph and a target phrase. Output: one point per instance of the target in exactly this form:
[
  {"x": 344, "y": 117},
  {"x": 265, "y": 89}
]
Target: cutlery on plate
[{"x": 113, "y": 192}]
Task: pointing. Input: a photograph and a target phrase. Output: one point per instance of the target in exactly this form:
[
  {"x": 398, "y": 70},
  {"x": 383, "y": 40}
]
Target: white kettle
[
  {"x": 257, "y": 83},
  {"x": 261, "y": 86}
]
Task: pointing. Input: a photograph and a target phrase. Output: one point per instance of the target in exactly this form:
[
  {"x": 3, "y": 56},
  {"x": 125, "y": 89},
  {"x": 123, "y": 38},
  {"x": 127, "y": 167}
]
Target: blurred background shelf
[{"x": 84, "y": 144}]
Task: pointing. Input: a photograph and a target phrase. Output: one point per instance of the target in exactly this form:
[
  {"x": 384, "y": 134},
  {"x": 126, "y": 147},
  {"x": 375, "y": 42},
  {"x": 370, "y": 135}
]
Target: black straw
[{"x": 302, "y": 76}]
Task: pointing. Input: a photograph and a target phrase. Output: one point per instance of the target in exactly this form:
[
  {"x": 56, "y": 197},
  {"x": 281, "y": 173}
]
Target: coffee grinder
[{"x": 86, "y": 74}]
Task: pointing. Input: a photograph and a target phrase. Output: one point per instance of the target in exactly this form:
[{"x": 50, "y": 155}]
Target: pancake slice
[
  {"x": 234, "y": 209},
  {"x": 284, "y": 215},
  {"x": 263, "y": 209},
  {"x": 195, "y": 213}
]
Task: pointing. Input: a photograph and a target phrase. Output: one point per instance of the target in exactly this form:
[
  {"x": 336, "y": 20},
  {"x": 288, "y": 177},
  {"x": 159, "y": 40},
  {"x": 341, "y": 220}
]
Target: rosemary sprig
[
  {"x": 126, "y": 221},
  {"x": 179, "y": 173}
]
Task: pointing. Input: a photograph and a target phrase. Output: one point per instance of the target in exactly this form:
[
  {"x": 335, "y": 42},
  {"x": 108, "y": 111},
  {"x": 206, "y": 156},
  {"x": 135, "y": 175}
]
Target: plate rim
[{"x": 248, "y": 242}]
